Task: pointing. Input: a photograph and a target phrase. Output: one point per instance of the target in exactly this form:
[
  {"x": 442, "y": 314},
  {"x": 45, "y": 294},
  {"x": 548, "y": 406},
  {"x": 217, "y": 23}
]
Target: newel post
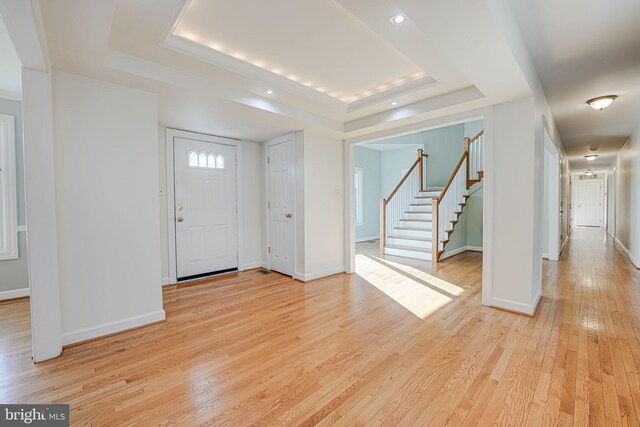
[
  {"x": 421, "y": 168},
  {"x": 434, "y": 230},
  {"x": 467, "y": 143},
  {"x": 383, "y": 224}
]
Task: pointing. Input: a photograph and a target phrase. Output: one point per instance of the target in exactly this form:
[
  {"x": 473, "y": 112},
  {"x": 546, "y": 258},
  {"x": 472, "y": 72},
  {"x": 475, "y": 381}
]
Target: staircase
[{"x": 417, "y": 221}]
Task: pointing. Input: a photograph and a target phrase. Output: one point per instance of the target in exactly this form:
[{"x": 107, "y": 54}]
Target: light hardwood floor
[{"x": 397, "y": 344}]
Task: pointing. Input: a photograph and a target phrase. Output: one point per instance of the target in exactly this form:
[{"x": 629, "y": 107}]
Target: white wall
[
  {"x": 253, "y": 254},
  {"x": 323, "y": 206},
  {"x": 627, "y": 197},
  {"x": 515, "y": 249},
  {"x": 106, "y": 181}
]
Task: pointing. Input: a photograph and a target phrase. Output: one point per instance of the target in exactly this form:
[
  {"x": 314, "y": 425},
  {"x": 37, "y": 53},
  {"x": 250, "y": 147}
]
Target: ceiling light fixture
[
  {"x": 268, "y": 92},
  {"x": 589, "y": 172},
  {"x": 601, "y": 102},
  {"x": 591, "y": 157},
  {"x": 394, "y": 103},
  {"x": 398, "y": 18}
]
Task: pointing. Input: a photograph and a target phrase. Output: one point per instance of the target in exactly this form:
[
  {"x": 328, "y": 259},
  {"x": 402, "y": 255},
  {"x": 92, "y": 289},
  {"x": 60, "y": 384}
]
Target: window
[
  {"x": 201, "y": 159},
  {"x": 8, "y": 215},
  {"x": 358, "y": 181}
]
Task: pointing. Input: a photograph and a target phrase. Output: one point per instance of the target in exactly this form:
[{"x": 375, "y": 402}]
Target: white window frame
[
  {"x": 8, "y": 214},
  {"x": 358, "y": 179}
]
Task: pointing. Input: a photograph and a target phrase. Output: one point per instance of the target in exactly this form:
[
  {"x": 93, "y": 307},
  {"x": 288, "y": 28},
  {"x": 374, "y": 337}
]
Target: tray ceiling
[{"x": 317, "y": 44}]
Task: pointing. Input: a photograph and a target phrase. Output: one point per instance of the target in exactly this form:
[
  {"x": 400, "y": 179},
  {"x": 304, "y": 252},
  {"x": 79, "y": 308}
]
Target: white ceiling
[
  {"x": 10, "y": 66},
  {"x": 583, "y": 49},
  {"x": 349, "y": 45},
  {"x": 316, "y": 43}
]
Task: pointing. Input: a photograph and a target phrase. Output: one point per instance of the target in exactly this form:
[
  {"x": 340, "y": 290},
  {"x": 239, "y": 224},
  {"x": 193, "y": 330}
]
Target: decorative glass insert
[
  {"x": 202, "y": 159},
  {"x": 193, "y": 159}
]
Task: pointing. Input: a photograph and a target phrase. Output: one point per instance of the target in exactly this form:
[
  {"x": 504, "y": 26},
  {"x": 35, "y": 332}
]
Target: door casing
[{"x": 171, "y": 134}]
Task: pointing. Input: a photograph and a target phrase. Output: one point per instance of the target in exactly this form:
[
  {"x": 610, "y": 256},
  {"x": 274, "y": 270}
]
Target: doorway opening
[
  {"x": 419, "y": 171},
  {"x": 552, "y": 215}
]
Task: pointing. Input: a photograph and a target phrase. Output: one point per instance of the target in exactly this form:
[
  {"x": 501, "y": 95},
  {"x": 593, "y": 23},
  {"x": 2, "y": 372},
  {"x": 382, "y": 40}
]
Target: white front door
[
  {"x": 205, "y": 208},
  {"x": 281, "y": 176},
  {"x": 590, "y": 203}
]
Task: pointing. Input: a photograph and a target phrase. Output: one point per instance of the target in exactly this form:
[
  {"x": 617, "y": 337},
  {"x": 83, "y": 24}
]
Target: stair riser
[
  {"x": 413, "y": 233},
  {"x": 414, "y": 224},
  {"x": 408, "y": 242},
  {"x": 419, "y": 215},
  {"x": 426, "y": 208},
  {"x": 430, "y": 193},
  {"x": 408, "y": 254}
]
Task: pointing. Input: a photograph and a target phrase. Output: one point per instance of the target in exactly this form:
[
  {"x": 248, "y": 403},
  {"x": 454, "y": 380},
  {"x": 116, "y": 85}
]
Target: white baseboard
[
  {"x": 14, "y": 293},
  {"x": 453, "y": 252},
  {"x": 165, "y": 281},
  {"x": 366, "y": 239},
  {"x": 252, "y": 265},
  {"x": 545, "y": 256},
  {"x": 518, "y": 307},
  {"x": 84, "y": 334},
  {"x": 319, "y": 274},
  {"x": 628, "y": 254}
]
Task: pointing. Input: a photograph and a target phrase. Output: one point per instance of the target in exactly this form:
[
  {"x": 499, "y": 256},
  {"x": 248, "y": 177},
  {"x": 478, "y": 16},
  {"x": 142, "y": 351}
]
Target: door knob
[
  {"x": 180, "y": 219},
  {"x": 289, "y": 215}
]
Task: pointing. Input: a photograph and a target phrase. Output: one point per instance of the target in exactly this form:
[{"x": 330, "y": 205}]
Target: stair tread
[
  {"x": 426, "y": 197},
  {"x": 420, "y": 204},
  {"x": 412, "y": 229},
  {"x": 418, "y": 212},
  {"x": 415, "y": 220},
  {"x": 408, "y": 248},
  {"x": 419, "y": 239}
]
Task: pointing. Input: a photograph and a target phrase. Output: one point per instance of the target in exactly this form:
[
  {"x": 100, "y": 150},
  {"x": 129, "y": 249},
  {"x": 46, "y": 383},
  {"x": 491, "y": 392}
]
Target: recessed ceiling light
[
  {"x": 601, "y": 102},
  {"x": 394, "y": 103},
  {"x": 398, "y": 18},
  {"x": 268, "y": 92},
  {"x": 591, "y": 156},
  {"x": 589, "y": 172}
]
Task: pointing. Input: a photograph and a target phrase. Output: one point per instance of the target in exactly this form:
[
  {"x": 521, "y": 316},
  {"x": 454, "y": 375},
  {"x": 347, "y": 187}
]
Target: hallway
[{"x": 360, "y": 349}]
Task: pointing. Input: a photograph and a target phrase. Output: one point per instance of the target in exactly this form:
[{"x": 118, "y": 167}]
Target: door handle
[
  {"x": 180, "y": 219},
  {"x": 288, "y": 215}
]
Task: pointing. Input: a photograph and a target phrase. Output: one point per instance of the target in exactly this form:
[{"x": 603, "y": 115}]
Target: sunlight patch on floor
[
  {"x": 419, "y": 274},
  {"x": 415, "y": 290}
]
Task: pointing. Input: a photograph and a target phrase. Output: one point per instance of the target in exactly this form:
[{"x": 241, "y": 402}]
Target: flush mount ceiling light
[
  {"x": 394, "y": 103},
  {"x": 398, "y": 18},
  {"x": 601, "y": 102},
  {"x": 268, "y": 92},
  {"x": 589, "y": 172},
  {"x": 591, "y": 156}
]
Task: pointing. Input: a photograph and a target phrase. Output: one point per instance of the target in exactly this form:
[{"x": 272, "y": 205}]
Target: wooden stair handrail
[
  {"x": 477, "y": 136},
  {"x": 406, "y": 175},
  {"x": 453, "y": 175}
]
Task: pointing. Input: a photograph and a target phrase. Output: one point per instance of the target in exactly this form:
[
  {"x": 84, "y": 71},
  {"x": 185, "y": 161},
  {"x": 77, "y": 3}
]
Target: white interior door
[
  {"x": 590, "y": 203},
  {"x": 281, "y": 176},
  {"x": 205, "y": 208}
]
